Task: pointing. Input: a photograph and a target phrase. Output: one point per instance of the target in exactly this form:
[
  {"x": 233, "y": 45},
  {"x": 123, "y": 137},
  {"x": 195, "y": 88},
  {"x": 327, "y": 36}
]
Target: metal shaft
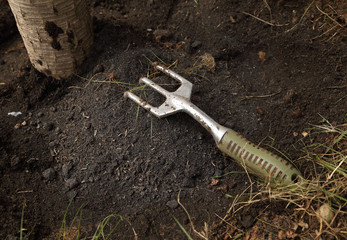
[{"x": 214, "y": 128}]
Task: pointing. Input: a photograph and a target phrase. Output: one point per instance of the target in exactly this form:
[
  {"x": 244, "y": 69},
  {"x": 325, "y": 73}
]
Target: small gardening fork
[{"x": 254, "y": 159}]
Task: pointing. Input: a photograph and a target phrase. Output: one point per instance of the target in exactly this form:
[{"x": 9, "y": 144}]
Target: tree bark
[{"x": 57, "y": 34}]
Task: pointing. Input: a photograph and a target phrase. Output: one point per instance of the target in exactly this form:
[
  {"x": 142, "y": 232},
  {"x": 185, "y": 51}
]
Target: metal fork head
[{"x": 175, "y": 101}]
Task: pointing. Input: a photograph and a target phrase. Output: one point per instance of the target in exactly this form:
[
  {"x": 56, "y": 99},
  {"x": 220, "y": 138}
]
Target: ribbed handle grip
[{"x": 259, "y": 161}]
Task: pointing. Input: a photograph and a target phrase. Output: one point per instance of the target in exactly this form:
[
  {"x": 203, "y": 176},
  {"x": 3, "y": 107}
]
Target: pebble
[
  {"x": 196, "y": 44},
  {"x": 58, "y": 130},
  {"x": 40, "y": 114},
  {"x": 247, "y": 221},
  {"x": 53, "y": 153},
  {"x": 218, "y": 172},
  {"x": 99, "y": 68},
  {"x": 15, "y": 161},
  {"x": 66, "y": 169},
  {"x": 172, "y": 204},
  {"x": 71, "y": 195},
  {"x": 49, "y": 174},
  {"x": 188, "y": 182},
  {"x": 17, "y": 126},
  {"x": 71, "y": 183}
]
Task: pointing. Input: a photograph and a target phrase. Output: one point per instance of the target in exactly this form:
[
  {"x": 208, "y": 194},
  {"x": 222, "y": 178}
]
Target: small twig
[
  {"x": 200, "y": 234},
  {"x": 338, "y": 166},
  {"x": 268, "y": 8},
  {"x": 324, "y": 32},
  {"x": 330, "y": 17},
  {"x": 334, "y": 35},
  {"x": 262, "y": 96},
  {"x": 26, "y": 191},
  {"x": 266, "y": 22},
  {"x": 302, "y": 17},
  {"x": 337, "y": 87}
]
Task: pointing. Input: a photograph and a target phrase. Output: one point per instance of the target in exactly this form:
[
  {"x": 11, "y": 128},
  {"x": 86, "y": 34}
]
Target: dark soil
[{"x": 85, "y": 143}]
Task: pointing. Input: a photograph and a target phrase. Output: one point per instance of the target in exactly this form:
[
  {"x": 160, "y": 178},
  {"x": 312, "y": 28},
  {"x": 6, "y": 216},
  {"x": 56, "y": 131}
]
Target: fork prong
[
  {"x": 185, "y": 90},
  {"x": 172, "y": 74},
  {"x": 162, "y": 111},
  {"x": 155, "y": 86},
  {"x": 138, "y": 100}
]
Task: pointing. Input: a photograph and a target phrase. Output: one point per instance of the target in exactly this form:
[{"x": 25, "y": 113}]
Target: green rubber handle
[{"x": 259, "y": 161}]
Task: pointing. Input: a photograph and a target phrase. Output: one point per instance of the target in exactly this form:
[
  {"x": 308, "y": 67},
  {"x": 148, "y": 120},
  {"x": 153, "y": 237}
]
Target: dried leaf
[
  {"x": 261, "y": 112},
  {"x": 232, "y": 19},
  {"x": 214, "y": 182},
  {"x": 208, "y": 60},
  {"x": 261, "y": 56}
]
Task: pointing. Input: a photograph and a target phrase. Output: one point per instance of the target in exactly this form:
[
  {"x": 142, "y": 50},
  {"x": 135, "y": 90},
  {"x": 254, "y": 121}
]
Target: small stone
[
  {"x": 188, "y": 182},
  {"x": 65, "y": 170},
  {"x": 325, "y": 213},
  {"x": 17, "y": 126},
  {"x": 40, "y": 114},
  {"x": 247, "y": 221},
  {"x": 200, "y": 136},
  {"x": 49, "y": 174},
  {"x": 218, "y": 172},
  {"x": 71, "y": 183},
  {"x": 99, "y": 68},
  {"x": 71, "y": 195},
  {"x": 58, "y": 130},
  {"x": 160, "y": 34},
  {"x": 196, "y": 44},
  {"x": 15, "y": 161},
  {"x": 24, "y": 123},
  {"x": 172, "y": 204},
  {"x": 53, "y": 153},
  {"x": 193, "y": 172}
]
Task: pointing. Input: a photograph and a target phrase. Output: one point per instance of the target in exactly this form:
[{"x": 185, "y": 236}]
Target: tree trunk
[{"x": 57, "y": 34}]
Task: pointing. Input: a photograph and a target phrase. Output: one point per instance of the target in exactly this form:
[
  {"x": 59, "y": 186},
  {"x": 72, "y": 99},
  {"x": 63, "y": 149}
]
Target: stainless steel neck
[{"x": 185, "y": 105}]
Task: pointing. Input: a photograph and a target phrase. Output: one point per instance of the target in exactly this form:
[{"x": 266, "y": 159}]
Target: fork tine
[
  {"x": 185, "y": 90},
  {"x": 172, "y": 74},
  {"x": 155, "y": 86},
  {"x": 162, "y": 111},
  {"x": 138, "y": 100}
]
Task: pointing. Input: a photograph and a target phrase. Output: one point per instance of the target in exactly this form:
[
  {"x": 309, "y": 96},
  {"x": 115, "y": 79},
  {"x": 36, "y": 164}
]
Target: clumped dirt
[{"x": 81, "y": 141}]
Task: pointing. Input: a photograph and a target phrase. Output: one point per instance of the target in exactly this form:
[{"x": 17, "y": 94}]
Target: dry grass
[
  {"x": 330, "y": 19},
  {"x": 318, "y": 208}
]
